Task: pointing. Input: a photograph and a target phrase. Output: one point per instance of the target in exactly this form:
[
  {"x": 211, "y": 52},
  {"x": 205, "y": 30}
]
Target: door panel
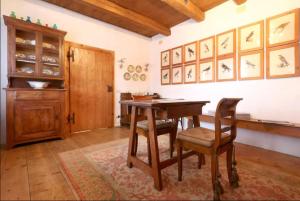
[
  {"x": 91, "y": 72},
  {"x": 36, "y": 119}
]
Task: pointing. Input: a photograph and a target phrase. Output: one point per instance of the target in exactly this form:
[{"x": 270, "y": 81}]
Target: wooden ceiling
[{"x": 146, "y": 17}]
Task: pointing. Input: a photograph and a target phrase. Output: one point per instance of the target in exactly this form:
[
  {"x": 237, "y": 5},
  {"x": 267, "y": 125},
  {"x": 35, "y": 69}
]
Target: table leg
[
  {"x": 156, "y": 170},
  {"x": 132, "y": 136},
  {"x": 196, "y": 121}
]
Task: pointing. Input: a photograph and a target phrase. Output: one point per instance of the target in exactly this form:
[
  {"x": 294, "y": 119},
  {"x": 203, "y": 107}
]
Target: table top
[{"x": 162, "y": 102}]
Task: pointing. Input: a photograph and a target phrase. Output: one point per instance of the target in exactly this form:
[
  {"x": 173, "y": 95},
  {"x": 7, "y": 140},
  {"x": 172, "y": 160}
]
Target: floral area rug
[{"x": 100, "y": 172}]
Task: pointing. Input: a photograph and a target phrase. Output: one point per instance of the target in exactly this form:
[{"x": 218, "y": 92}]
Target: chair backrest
[
  {"x": 139, "y": 97},
  {"x": 226, "y": 109}
]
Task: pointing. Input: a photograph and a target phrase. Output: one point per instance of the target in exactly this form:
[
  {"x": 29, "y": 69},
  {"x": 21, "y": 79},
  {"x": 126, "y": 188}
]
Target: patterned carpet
[{"x": 100, "y": 172}]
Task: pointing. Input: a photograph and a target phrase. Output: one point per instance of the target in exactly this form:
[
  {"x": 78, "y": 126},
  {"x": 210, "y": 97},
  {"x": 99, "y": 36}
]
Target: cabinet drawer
[{"x": 37, "y": 95}]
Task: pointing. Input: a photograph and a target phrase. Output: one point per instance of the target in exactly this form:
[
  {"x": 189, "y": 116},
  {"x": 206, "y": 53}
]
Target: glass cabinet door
[
  {"x": 50, "y": 65},
  {"x": 25, "y": 53}
]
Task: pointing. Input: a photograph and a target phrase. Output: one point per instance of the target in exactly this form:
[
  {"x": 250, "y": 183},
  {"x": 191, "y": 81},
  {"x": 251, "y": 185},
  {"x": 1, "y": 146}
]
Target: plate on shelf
[
  {"x": 47, "y": 71},
  {"x": 143, "y": 77},
  {"x": 135, "y": 77},
  {"x": 26, "y": 69},
  {"x": 127, "y": 76},
  {"x": 138, "y": 69},
  {"x": 130, "y": 68}
]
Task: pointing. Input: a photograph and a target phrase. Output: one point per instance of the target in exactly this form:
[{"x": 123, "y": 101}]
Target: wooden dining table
[{"x": 162, "y": 109}]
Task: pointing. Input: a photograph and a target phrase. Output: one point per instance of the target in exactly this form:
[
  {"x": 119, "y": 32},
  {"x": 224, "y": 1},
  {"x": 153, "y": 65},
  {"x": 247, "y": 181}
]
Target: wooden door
[
  {"x": 91, "y": 83},
  {"x": 37, "y": 119}
]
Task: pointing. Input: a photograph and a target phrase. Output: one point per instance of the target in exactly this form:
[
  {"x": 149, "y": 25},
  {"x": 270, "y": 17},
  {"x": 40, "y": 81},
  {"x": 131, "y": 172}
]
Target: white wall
[
  {"x": 83, "y": 30},
  {"x": 276, "y": 99}
]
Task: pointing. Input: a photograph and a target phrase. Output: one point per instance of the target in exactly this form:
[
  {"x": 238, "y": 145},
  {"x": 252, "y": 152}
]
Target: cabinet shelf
[
  {"x": 26, "y": 61},
  {"x": 30, "y": 76},
  {"x": 25, "y": 46}
]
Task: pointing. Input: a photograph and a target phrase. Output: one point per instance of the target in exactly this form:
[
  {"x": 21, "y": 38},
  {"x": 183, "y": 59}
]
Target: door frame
[{"x": 67, "y": 45}]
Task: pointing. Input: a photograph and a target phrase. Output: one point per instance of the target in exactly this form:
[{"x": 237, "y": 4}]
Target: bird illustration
[
  {"x": 190, "y": 73},
  {"x": 249, "y": 38},
  {"x": 280, "y": 28},
  {"x": 122, "y": 61},
  {"x": 249, "y": 64},
  {"x": 165, "y": 58},
  {"x": 284, "y": 63},
  {"x": 225, "y": 68},
  {"x": 206, "y": 69},
  {"x": 206, "y": 48},
  {"x": 176, "y": 74},
  {"x": 191, "y": 52},
  {"x": 224, "y": 44},
  {"x": 177, "y": 54},
  {"x": 165, "y": 76}
]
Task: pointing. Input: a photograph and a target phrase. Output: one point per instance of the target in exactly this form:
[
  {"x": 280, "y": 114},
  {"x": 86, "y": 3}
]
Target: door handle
[{"x": 109, "y": 88}]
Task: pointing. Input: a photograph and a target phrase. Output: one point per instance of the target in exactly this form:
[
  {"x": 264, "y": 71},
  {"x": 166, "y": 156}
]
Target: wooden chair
[
  {"x": 214, "y": 143},
  {"x": 162, "y": 127}
]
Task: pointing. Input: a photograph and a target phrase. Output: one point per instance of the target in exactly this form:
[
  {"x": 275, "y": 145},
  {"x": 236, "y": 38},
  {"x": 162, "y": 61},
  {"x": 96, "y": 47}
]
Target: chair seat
[
  {"x": 160, "y": 124},
  {"x": 201, "y": 136}
]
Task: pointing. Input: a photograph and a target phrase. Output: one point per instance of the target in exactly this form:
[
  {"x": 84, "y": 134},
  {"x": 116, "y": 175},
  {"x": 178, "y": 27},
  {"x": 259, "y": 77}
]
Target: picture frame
[
  {"x": 177, "y": 55},
  {"x": 226, "y": 68},
  {"x": 283, "y": 28},
  {"x": 207, "y": 71},
  {"x": 283, "y": 61},
  {"x": 190, "y": 73},
  {"x": 165, "y": 58},
  {"x": 165, "y": 76},
  {"x": 251, "y": 65},
  {"x": 207, "y": 48},
  {"x": 226, "y": 43},
  {"x": 251, "y": 37},
  {"x": 177, "y": 75},
  {"x": 190, "y": 52}
]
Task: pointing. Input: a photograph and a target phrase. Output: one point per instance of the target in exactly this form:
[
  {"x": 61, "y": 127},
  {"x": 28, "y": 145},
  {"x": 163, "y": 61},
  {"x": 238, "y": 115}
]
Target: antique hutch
[{"x": 35, "y": 53}]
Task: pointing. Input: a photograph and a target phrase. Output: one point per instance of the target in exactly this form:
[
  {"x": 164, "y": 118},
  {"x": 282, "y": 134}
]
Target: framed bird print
[
  {"x": 283, "y": 61},
  {"x": 165, "y": 58},
  {"x": 226, "y": 69},
  {"x": 207, "y": 71},
  {"x": 190, "y": 73},
  {"x": 283, "y": 28},
  {"x": 251, "y": 37},
  {"x": 177, "y": 55},
  {"x": 207, "y": 48},
  {"x": 165, "y": 76},
  {"x": 226, "y": 43},
  {"x": 177, "y": 75},
  {"x": 190, "y": 52},
  {"x": 251, "y": 65}
]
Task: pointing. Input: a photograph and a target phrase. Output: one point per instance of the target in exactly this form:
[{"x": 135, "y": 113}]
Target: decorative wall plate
[
  {"x": 127, "y": 76},
  {"x": 135, "y": 77},
  {"x": 143, "y": 77},
  {"x": 138, "y": 69},
  {"x": 130, "y": 68}
]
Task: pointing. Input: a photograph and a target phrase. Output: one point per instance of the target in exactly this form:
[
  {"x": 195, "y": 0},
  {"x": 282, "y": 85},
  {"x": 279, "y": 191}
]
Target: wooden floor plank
[
  {"x": 33, "y": 171},
  {"x": 46, "y": 181},
  {"x": 14, "y": 176}
]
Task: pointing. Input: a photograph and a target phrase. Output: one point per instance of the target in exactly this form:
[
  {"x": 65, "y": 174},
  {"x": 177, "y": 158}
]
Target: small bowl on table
[{"x": 38, "y": 84}]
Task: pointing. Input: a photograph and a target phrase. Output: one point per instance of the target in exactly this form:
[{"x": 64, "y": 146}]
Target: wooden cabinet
[
  {"x": 35, "y": 53},
  {"x": 34, "y": 115}
]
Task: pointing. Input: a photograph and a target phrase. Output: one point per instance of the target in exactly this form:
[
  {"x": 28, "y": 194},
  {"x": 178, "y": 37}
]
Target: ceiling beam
[
  {"x": 239, "y": 2},
  {"x": 188, "y": 8},
  {"x": 130, "y": 15}
]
